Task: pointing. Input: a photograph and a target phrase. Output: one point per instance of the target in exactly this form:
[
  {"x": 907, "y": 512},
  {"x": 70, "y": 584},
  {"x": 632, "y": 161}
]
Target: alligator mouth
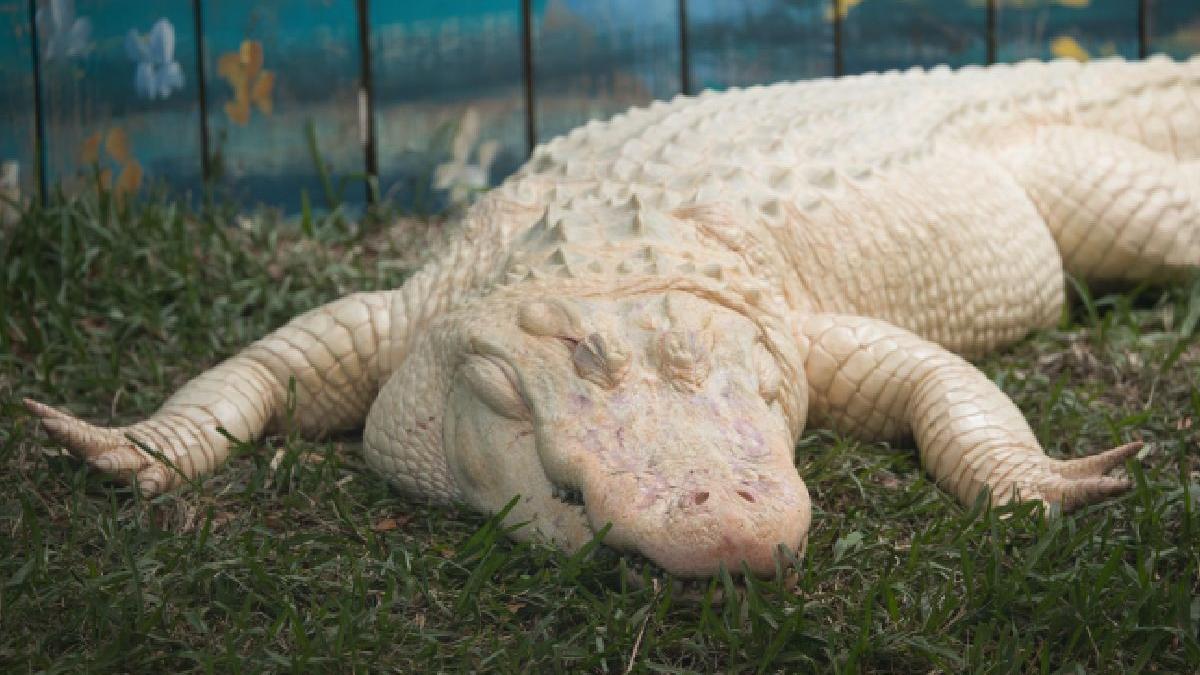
[{"x": 641, "y": 572}]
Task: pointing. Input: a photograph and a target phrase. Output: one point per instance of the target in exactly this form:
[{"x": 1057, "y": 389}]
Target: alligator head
[{"x": 668, "y": 415}]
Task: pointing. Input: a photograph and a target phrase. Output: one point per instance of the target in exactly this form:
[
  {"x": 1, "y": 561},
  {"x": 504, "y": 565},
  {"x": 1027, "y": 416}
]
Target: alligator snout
[
  {"x": 694, "y": 532},
  {"x": 692, "y": 478}
]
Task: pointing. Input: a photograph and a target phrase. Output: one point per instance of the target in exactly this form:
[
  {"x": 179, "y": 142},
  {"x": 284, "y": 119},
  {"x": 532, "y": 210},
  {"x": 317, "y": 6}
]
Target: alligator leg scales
[
  {"x": 1118, "y": 210},
  {"x": 329, "y": 353},
  {"x": 875, "y": 381}
]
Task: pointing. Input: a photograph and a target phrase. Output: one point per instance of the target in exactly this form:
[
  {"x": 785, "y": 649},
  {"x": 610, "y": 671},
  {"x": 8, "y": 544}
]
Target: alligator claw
[
  {"x": 1097, "y": 464},
  {"x": 1068, "y": 484},
  {"x": 108, "y": 450}
]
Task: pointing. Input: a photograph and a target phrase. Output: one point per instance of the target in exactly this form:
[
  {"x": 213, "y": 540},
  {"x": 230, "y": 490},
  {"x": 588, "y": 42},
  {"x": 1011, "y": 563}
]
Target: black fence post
[
  {"x": 366, "y": 103},
  {"x": 839, "y": 63},
  {"x": 1144, "y": 28},
  {"x": 39, "y": 122},
  {"x": 202, "y": 91},
  {"x": 685, "y": 64},
  {"x": 991, "y": 31},
  {"x": 527, "y": 72}
]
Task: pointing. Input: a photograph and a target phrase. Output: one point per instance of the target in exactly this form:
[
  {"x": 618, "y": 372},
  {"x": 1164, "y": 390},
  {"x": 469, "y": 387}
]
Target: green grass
[{"x": 319, "y": 566}]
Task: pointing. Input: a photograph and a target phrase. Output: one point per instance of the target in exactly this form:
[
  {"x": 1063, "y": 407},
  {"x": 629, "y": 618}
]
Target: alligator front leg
[
  {"x": 875, "y": 381},
  {"x": 336, "y": 355}
]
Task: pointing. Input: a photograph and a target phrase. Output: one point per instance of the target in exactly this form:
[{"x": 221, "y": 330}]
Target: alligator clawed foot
[
  {"x": 1081, "y": 481},
  {"x": 108, "y": 450}
]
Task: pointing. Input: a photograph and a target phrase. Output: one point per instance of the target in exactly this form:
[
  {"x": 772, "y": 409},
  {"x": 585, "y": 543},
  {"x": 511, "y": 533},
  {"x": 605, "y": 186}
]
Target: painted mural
[
  {"x": 883, "y": 34},
  {"x": 449, "y": 98},
  {"x": 286, "y": 103},
  {"x": 282, "y": 81},
  {"x": 17, "y": 136},
  {"x": 1076, "y": 29},
  {"x": 738, "y": 43},
  {"x": 1175, "y": 27},
  {"x": 119, "y": 95},
  {"x": 592, "y": 60}
]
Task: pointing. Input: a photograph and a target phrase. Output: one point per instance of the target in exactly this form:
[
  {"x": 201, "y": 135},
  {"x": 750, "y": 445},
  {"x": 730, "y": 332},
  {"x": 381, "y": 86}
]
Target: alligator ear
[{"x": 550, "y": 318}]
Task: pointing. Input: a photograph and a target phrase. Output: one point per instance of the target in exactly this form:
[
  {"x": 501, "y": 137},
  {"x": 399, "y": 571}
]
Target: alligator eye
[
  {"x": 495, "y": 384},
  {"x": 767, "y": 370}
]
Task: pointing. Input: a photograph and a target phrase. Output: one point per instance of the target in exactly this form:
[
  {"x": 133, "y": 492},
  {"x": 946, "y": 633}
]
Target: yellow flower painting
[
  {"x": 1066, "y": 47},
  {"x": 843, "y": 9},
  {"x": 113, "y": 145},
  {"x": 1035, "y": 4},
  {"x": 252, "y": 86}
]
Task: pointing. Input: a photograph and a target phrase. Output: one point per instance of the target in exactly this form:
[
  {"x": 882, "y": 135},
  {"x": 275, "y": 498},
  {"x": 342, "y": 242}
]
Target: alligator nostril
[
  {"x": 700, "y": 497},
  {"x": 746, "y": 495}
]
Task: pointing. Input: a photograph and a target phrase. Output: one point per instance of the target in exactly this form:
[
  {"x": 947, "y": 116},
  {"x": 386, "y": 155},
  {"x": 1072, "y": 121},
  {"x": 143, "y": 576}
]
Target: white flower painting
[
  {"x": 10, "y": 191},
  {"x": 63, "y": 35},
  {"x": 461, "y": 178},
  {"x": 157, "y": 74}
]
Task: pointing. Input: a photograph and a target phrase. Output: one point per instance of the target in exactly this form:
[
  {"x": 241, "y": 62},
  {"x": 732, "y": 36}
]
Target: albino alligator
[{"x": 636, "y": 327}]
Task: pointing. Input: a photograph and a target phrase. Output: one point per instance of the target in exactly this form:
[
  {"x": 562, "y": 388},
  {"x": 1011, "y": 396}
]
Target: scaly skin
[{"x": 636, "y": 327}]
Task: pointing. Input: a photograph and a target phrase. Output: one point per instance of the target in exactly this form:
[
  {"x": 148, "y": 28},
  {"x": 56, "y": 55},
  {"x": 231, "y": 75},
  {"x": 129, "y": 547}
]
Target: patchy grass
[{"x": 317, "y": 565}]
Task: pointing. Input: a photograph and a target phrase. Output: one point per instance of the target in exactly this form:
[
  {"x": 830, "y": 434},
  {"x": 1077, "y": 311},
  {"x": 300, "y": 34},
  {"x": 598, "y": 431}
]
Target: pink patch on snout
[
  {"x": 580, "y": 403},
  {"x": 751, "y": 439},
  {"x": 651, "y": 487}
]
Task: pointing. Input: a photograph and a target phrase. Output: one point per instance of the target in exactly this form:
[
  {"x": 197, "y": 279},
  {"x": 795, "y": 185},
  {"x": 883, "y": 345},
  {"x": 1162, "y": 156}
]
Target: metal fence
[{"x": 288, "y": 102}]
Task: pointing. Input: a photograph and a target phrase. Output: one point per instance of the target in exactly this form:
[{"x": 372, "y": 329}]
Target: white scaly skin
[{"x": 636, "y": 327}]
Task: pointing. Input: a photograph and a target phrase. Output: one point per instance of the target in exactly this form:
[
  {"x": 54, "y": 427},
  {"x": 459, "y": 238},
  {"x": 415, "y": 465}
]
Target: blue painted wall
[
  {"x": 453, "y": 111},
  {"x": 98, "y": 125},
  {"x": 735, "y": 43},
  {"x": 883, "y": 34},
  {"x": 17, "y": 138}
]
